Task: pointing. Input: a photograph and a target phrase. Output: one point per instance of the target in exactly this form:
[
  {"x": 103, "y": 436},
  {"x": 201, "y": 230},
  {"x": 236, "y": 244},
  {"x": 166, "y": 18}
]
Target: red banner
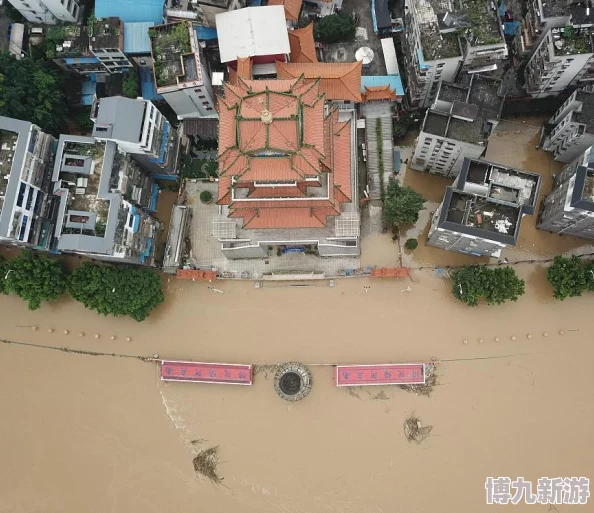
[{"x": 227, "y": 373}]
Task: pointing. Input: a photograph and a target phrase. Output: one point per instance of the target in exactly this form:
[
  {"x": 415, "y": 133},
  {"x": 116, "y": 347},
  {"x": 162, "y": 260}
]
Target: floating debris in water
[
  {"x": 414, "y": 431},
  {"x": 205, "y": 463},
  {"x": 423, "y": 388}
]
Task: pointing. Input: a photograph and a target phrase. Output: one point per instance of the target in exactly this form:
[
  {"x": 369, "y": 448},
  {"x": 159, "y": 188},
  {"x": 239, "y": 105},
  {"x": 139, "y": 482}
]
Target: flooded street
[{"x": 103, "y": 434}]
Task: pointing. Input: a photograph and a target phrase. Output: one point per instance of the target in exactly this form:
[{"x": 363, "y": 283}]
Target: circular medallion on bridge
[{"x": 292, "y": 381}]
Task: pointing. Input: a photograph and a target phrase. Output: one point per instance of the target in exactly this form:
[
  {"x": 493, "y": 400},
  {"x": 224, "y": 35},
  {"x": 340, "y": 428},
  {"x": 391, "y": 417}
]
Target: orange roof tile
[
  {"x": 378, "y": 93},
  {"x": 244, "y": 67},
  {"x": 269, "y": 169},
  {"x": 276, "y": 192},
  {"x": 341, "y": 166},
  {"x": 303, "y": 47},
  {"x": 292, "y": 8},
  {"x": 338, "y": 80},
  {"x": 284, "y": 218}
]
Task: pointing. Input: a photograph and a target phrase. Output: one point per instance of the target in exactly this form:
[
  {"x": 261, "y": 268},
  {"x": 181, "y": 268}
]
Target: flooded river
[{"x": 104, "y": 434}]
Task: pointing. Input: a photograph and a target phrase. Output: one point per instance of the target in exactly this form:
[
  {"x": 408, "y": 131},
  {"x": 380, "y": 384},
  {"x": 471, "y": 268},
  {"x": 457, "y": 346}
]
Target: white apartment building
[
  {"x": 140, "y": 129},
  {"x": 443, "y": 43},
  {"x": 458, "y": 125},
  {"x": 25, "y": 200},
  {"x": 541, "y": 16},
  {"x": 571, "y": 129},
  {"x": 49, "y": 12},
  {"x": 562, "y": 59},
  {"x": 181, "y": 73}
]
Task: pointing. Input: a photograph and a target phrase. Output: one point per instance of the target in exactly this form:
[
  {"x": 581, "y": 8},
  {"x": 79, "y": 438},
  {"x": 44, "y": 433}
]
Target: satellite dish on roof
[{"x": 364, "y": 54}]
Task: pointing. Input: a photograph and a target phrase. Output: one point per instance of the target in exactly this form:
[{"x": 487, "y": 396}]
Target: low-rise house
[
  {"x": 458, "y": 125},
  {"x": 442, "y": 43},
  {"x": 482, "y": 211},
  {"x": 181, "y": 73},
  {"x": 256, "y": 32},
  {"x": 138, "y": 128},
  {"x": 540, "y": 17},
  {"x": 104, "y": 202},
  {"x": 96, "y": 48},
  {"x": 569, "y": 208},
  {"x": 27, "y": 214},
  {"x": 570, "y": 131}
]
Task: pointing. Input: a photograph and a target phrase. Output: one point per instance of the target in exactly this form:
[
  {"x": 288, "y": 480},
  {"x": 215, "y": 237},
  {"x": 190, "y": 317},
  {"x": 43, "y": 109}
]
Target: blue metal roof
[
  {"x": 131, "y": 10},
  {"x": 136, "y": 38},
  {"x": 147, "y": 85},
  {"x": 206, "y": 33},
  {"x": 394, "y": 81}
]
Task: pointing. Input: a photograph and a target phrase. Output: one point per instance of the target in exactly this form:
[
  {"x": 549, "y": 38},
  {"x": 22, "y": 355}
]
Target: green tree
[
  {"x": 130, "y": 84},
  {"x": 411, "y": 244},
  {"x": 32, "y": 91},
  {"x": 116, "y": 290},
  {"x": 402, "y": 204},
  {"x": 472, "y": 283},
  {"x": 568, "y": 277},
  {"x": 35, "y": 277},
  {"x": 335, "y": 28}
]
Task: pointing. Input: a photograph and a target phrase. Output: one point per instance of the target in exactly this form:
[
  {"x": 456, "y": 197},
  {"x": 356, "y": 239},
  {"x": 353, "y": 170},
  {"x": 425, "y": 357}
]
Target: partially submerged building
[
  {"x": 569, "y": 208},
  {"x": 138, "y": 128},
  {"x": 563, "y": 58},
  {"x": 570, "y": 131},
  {"x": 458, "y": 125},
  {"x": 104, "y": 202},
  {"x": 481, "y": 213},
  {"x": 444, "y": 42},
  {"x": 181, "y": 73},
  {"x": 287, "y": 169},
  {"x": 27, "y": 213}
]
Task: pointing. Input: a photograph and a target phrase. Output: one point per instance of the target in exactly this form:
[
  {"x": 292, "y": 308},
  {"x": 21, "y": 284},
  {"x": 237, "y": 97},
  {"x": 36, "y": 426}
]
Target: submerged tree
[
  {"x": 569, "y": 277},
  {"x": 33, "y": 91},
  {"x": 402, "y": 204},
  {"x": 116, "y": 290},
  {"x": 472, "y": 283},
  {"x": 35, "y": 277},
  {"x": 3, "y": 276}
]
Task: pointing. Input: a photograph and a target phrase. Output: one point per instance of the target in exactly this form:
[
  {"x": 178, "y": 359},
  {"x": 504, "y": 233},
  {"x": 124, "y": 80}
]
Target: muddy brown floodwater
[
  {"x": 103, "y": 434},
  {"x": 98, "y": 434}
]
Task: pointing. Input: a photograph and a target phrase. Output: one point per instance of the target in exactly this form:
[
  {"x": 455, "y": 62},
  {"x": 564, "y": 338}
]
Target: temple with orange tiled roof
[
  {"x": 287, "y": 171},
  {"x": 338, "y": 80},
  {"x": 378, "y": 93},
  {"x": 303, "y": 47},
  {"x": 292, "y": 8}
]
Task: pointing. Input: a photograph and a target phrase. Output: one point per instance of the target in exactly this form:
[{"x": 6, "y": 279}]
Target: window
[
  {"x": 202, "y": 97},
  {"x": 209, "y": 108},
  {"x": 29, "y": 200},
  {"x": 101, "y": 129},
  {"x": 21, "y": 196},
  {"x": 205, "y": 103}
]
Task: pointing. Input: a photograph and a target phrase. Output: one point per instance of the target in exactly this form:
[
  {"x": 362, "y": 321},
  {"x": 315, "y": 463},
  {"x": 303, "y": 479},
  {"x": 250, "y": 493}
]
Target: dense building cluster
[{"x": 292, "y": 135}]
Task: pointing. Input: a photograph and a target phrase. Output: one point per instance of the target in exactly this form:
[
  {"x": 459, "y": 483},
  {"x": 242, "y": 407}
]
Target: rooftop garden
[
  {"x": 485, "y": 27},
  {"x": 439, "y": 46},
  {"x": 572, "y": 42},
  {"x": 169, "y": 43}
]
